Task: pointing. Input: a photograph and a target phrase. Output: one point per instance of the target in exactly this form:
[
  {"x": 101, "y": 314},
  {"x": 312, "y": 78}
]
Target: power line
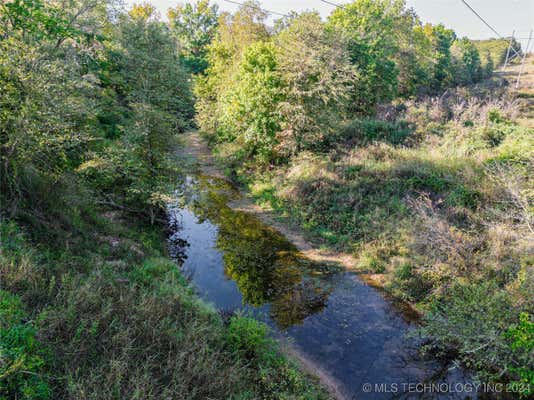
[
  {"x": 482, "y": 19},
  {"x": 485, "y": 22},
  {"x": 332, "y": 4},
  {"x": 257, "y": 8}
]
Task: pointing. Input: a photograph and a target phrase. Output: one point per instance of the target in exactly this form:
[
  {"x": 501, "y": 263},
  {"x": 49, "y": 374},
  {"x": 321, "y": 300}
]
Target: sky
[{"x": 503, "y": 15}]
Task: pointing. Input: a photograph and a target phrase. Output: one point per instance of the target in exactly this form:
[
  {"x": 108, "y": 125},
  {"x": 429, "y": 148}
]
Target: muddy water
[{"x": 344, "y": 327}]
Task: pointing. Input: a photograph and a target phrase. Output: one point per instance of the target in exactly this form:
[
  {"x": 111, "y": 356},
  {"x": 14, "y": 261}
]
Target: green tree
[
  {"x": 155, "y": 93},
  {"x": 33, "y": 20},
  {"x": 467, "y": 65},
  {"x": 249, "y": 111},
  {"x": 442, "y": 40},
  {"x": 369, "y": 26},
  {"x": 413, "y": 60},
  {"x": 318, "y": 78},
  {"x": 234, "y": 34},
  {"x": 194, "y": 26},
  {"x": 46, "y": 108}
]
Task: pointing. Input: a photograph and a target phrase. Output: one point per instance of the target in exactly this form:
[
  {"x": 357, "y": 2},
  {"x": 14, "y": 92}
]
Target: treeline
[{"x": 275, "y": 92}]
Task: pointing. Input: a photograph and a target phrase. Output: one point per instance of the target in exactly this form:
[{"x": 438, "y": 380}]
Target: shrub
[
  {"x": 22, "y": 357},
  {"x": 522, "y": 337},
  {"x": 248, "y": 337},
  {"x": 479, "y": 320}
]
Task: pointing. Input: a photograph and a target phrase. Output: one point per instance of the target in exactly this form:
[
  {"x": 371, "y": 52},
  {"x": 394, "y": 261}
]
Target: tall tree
[
  {"x": 46, "y": 107},
  {"x": 194, "y": 25},
  {"x": 318, "y": 79},
  {"x": 442, "y": 39},
  {"x": 466, "y": 62},
  {"x": 235, "y": 32},
  {"x": 155, "y": 90},
  {"x": 369, "y": 26}
]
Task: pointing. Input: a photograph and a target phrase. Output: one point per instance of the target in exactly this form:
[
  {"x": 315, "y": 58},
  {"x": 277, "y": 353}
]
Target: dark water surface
[{"x": 329, "y": 315}]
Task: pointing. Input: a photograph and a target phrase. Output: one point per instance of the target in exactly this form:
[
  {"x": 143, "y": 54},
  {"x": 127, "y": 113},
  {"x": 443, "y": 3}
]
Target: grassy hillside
[
  {"x": 496, "y": 48},
  {"x": 435, "y": 203},
  {"x": 110, "y": 317}
]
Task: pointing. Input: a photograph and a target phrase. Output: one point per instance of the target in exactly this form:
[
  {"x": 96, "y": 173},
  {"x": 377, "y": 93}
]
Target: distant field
[{"x": 497, "y": 49}]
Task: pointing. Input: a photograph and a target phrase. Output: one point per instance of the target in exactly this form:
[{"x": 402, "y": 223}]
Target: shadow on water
[{"x": 329, "y": 315}]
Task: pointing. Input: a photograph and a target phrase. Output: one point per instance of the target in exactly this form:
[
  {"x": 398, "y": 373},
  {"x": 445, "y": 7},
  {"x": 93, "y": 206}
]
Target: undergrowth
[
  {"x": 434, "y": 199},
  {"x": 114, "y": 319}
]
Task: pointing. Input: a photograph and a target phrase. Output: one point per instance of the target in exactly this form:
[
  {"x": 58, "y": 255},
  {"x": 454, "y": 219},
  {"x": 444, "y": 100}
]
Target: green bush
[
  {"x": 479, "y": 320},
  {"x": 275, "y": 376},
  {"x": 522, "y": 337},
  {"x": 248, "y": 337},
  {"x": 22, "y": 357}
]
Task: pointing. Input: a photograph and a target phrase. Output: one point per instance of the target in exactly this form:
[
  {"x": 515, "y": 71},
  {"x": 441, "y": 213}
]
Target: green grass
[
  {"x": 23, "y": 359},
  {"x": 437, "y": 205},
  {"x": 113, "y": 319}
]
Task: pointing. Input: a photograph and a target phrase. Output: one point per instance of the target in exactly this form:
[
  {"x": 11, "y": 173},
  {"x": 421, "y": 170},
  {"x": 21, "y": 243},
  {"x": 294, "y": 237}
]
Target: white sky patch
[{"x": 503, "y": 15}]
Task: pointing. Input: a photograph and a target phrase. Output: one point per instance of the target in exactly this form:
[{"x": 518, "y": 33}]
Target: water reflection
[
  {"x": 330, "y": 316},
  {"x": 266, "y": 268}
]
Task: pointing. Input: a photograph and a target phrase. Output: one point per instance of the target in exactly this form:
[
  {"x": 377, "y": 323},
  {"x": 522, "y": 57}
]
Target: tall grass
[
  {"x": 114, "y": 319},
  {"x": 434, "y": 199}
]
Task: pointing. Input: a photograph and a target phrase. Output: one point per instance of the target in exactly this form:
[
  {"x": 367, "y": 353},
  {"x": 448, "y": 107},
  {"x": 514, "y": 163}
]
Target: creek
[{"x": 347, "y": 329}]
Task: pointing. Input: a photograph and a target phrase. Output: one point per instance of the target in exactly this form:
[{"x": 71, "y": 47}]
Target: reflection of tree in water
[
  {"x": 265, "y": 266},
  {"x": 175, "y": 244}
]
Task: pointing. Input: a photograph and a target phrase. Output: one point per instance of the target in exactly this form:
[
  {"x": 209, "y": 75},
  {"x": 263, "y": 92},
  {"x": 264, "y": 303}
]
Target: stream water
[{"x": 329, "y": 316}]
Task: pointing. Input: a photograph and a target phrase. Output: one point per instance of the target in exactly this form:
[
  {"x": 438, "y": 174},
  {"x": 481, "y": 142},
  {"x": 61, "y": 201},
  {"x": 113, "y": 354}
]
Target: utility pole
[
  {"x": 508, "y": 51},
  {"x": 488, "y": 25},
  {"x": 523, "y": 61}
]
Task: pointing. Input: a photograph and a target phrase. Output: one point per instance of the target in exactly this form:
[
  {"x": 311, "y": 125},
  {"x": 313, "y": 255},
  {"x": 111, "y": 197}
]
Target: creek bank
[{"x": 240, "y": 261}]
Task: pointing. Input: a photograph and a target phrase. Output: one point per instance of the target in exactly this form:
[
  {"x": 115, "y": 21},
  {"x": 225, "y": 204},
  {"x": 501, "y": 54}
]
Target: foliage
[
  {"x": 234, "y": 34},
  {"x": 434, "y": 195},
  {"x": 46, "y": 118},
  {"x": 249, "y": 112},
  {"x": 466, "y": 62},
  {"x": 478, "y": 321},
  {"x": 269, "y": 95},
  {"x": 194, "y": 25},
  {"x": 22, "y": 362},
  {"x": 247, "y": 336},
  {"x": 276, "y": 98},
  {"x": 317, "y": 80},
  {"x": 442, "y": 40},
  {"x": 35, "y": 19},
  {"x": 151, "y": 100},
  {"x": 413, "y": 58},
  {"x": 369, "y": 28},
  {"x": 522, "y": 336}
]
